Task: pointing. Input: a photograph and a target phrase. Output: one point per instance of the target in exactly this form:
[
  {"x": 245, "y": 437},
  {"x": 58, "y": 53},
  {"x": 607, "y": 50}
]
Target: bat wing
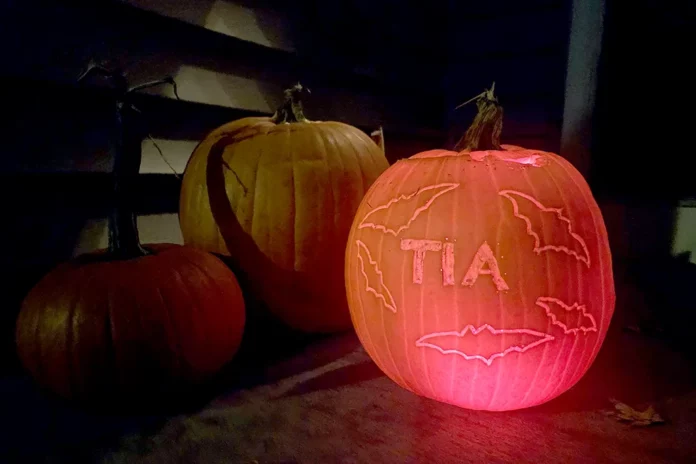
[
  {"x": 512, "y": 341},
  {"x": 374, "y": 278},
  {"x": 563, "y": 238},
  {"x": 399, "y": 213},
  {"x": 571, "y": 318}
]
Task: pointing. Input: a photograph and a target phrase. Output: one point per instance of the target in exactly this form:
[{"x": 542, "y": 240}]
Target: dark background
[{"x": 400, "y": 65}]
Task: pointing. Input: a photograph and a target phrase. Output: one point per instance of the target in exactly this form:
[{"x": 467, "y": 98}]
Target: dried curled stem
[
  {"x": 484, "y": 132},
  {"x": 291, "y": 109}
]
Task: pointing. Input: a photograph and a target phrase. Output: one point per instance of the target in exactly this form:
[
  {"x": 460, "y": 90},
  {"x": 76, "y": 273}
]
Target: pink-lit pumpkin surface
[{"x": 481, "y": 279}]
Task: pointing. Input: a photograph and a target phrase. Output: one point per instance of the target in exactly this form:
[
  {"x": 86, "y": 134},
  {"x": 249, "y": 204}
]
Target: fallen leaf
[{"x": 636, "y": 418}]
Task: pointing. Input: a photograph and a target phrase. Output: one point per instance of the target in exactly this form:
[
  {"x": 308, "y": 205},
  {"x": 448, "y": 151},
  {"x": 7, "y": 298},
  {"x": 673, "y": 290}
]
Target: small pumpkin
[
  {"x": 481, "y": 277},
  {"x": 132, "y": 327},
  {"x": 278, "y": 195},
  {"x": 130, "y": 322}
]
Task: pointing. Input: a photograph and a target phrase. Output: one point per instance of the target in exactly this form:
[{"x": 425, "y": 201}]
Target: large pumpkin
[
  {"x": 278, "y": 195},
  {"x": 481, "y": 277}
]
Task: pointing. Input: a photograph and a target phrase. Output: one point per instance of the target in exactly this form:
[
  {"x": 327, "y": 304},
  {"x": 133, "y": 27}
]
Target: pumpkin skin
[
  {"x": 280, "y": 199},
  {"x": 139, "y": 328},
  {"x": 481, "y": 279}
]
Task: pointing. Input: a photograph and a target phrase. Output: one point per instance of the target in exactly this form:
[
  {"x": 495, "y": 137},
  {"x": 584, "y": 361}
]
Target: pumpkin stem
[
  {"x": 291, "y": 109},
  {"x": 124, "y": 241},
  {"x": 484, "y": 132}
]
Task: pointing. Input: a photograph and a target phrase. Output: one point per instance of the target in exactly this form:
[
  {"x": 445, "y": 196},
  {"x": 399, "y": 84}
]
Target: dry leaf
[{"x": 636, "y": 418}]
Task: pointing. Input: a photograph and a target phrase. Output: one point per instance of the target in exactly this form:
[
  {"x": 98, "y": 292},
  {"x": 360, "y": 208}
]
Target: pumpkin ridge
[
  {"x": 525, "y": 299},
  {"x": 428, "y": 215},
  {"x": 476, "y": 206},
  {"x": 74, "y": 360},
  {"x": 35, "y": 341},
  {"x": 397, "y": 372},
  {"x": 501, "y": 304},
  {"x": 455, "y": 303},
  {"x": 171, "y": 333},
  {"x": 603, "y": 279},
  {"x": 544, "y": 219},
  {"x": 578, "y": 289},
  {"x": 318, "y": 135},
  {"x": 523, "y": 288},
  {"x": 109, "y": 340},
  {"x": 289, "y": 146},
  {"x": 355, "y": 155},
  {"x": 406, "y": 177},
  {"x": 255, "y": 218}
]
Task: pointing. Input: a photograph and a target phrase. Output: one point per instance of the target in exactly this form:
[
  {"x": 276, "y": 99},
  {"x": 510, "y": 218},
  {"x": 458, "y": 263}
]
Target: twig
[
  {"x": 176, "y": 174},
  {"x": 166, "y": 80},
  {"x": 481, "y": 95}
]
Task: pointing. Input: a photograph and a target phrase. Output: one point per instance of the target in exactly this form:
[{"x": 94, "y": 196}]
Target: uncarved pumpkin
[
  {"x": 278, "y": 195},
  {"x": 134, "y": 328},
  {"x": 130, "y": 324},
  {"x": 481, "y": 277}
]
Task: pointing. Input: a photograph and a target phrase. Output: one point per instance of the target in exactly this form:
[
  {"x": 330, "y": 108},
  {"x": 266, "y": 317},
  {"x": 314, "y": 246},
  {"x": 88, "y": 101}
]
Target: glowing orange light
[{"x": 481, "y": 278}]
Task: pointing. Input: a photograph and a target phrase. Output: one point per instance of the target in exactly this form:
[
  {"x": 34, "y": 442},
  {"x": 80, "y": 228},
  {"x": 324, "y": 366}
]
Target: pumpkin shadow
[
  {"x": 287, "y": 292},
  {"x": 266, "y": 337},
  {"x": 45, "y": 427},
  {"x": 337, "y": 378},
  {"x": 266, "y": 340}
]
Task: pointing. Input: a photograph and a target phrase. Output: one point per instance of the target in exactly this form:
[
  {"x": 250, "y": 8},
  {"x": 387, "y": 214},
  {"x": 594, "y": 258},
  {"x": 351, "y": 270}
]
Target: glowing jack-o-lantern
[{"x": 482, "y": 277}]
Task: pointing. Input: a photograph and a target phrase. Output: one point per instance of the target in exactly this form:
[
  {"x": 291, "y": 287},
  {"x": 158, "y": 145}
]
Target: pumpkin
[
  {"x": 137, "y": 327},
  {"x": 481, "y": 277},
  {"x": 133, "y": 322},
  {"x": 278, "y": 195}
]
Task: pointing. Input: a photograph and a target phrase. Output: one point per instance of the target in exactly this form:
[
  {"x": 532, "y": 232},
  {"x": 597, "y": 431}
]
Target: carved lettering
[
  {"x": 484, "y": 256},
  {"x": 448, "y": 264},
  {"x": 419, "y": 247}
]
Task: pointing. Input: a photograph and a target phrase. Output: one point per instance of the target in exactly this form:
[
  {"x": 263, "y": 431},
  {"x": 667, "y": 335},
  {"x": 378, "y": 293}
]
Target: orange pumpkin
[
  {"x": 481, "y": 277},
  {"x": 278, "y": 195},
  {"x": 134, "y": 328},
  {"x": 139, "y": 323}
]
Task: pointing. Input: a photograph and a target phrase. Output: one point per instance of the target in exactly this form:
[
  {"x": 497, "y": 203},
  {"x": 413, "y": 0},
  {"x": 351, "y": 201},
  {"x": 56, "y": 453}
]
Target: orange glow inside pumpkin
[{"x": 481, "y": 279}]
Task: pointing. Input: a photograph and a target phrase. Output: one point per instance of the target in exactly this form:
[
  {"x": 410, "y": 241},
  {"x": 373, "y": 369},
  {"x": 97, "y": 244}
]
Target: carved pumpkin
[
  {"x": 481, "y": 277},
  {"x": 130, "y": 323},
  {"x": 278, "y": 195}
]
